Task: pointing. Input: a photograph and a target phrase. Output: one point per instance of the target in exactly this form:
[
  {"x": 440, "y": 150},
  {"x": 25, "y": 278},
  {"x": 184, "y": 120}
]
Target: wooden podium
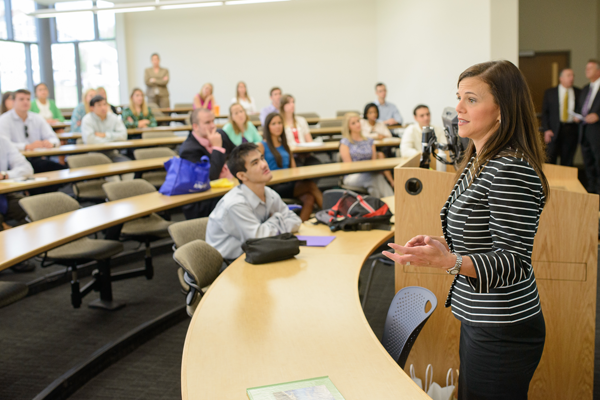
[{"x": 565, "y": 265}]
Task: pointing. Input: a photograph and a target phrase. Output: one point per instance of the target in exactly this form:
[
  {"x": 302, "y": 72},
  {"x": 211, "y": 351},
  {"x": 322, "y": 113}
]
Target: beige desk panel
[{"x": 296, "y": 319}]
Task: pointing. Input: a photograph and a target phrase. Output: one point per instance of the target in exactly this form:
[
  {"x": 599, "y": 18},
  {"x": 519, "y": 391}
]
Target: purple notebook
[{"x": 316, "y": 241}]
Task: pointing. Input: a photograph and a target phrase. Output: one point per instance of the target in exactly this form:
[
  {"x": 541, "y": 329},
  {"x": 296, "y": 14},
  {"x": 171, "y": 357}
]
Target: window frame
[{"x": 53, "y": 40}]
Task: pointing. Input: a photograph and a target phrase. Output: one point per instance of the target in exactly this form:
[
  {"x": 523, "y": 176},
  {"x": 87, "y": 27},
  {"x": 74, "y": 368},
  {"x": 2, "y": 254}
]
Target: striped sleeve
[{"x": 515, "y": 200}]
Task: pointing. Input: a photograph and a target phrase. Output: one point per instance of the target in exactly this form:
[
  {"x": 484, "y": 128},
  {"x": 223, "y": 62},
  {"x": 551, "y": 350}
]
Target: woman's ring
[{"x": 407, "y": 263}]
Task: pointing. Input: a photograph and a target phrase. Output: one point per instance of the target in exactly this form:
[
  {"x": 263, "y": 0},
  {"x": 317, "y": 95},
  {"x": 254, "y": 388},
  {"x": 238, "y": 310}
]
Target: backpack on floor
[{"x": 353, "y": 212}]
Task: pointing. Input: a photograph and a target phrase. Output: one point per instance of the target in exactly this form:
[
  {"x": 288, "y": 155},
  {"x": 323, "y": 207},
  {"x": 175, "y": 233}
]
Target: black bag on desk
[
  {"x": 353, "y": 212},
  {"x": 271, "y": 249}
]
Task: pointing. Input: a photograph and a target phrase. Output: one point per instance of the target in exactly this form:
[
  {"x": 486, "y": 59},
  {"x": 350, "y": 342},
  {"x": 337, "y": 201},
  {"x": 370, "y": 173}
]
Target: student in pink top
[{"x": 205, "y": 98}]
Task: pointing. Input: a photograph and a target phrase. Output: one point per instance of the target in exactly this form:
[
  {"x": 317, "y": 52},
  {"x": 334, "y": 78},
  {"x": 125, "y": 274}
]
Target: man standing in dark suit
[
  {"x": 561, "y": 132},
  {"x": 590, "y": 126},
  {"x": 206, "y": 140}
]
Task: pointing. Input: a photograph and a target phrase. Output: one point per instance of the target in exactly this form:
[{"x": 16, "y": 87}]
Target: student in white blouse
[
  {"x": 412, "y": 136},
  {"x": 371, "y": 128},
  {"x": 243, "y": 98},
  {"x": 296, "y": 127}
]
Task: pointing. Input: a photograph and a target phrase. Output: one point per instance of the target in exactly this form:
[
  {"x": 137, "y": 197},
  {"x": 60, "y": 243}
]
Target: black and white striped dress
[{"x": 494, "y": 221}]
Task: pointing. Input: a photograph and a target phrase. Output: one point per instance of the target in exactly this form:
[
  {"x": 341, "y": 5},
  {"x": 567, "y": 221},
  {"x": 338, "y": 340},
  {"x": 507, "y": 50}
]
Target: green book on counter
[{"x": 308, "y": 389}]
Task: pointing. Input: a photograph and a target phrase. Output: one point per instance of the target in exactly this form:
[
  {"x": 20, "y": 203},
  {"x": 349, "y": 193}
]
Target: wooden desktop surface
[
  {"x": 80, "y": 174},
  {"x": 97, "y": 171},
  {"x": 86, "y": 148},
  {"x": 26, "y": 241},
  {"x": 292, "y": 320}
]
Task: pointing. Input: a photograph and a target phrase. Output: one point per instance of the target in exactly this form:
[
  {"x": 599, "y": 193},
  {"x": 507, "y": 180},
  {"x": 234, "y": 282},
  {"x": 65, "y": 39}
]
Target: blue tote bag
[{"x": 184, "y": 177}]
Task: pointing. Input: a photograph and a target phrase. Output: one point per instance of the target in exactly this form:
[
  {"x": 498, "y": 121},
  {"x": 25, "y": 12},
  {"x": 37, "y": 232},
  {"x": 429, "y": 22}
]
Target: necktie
[
  {"x": 586, "y": 103},
  {"x": 565, "y": 109}
]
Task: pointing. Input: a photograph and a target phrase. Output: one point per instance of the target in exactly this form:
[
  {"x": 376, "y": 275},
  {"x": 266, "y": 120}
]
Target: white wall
[
  {"x": 423, "y": 47},
  {"x": 327, "y": 53},
  {"x": 322, "y": 52},
  {"x": 559, "y": 25}
]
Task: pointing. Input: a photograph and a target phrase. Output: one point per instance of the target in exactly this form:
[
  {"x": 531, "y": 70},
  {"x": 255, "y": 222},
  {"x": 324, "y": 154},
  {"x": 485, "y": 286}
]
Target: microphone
[{"x": 427, "y": 146}]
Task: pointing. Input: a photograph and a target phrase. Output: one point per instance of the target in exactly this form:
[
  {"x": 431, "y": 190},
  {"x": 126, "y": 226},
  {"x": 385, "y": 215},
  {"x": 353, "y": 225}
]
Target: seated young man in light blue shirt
[
  {"x": 250, "y": 210},
  {"x": 100, "y": 126},
  {"x": 388, "y": 112},
  {"x": 275, "y": 95}
]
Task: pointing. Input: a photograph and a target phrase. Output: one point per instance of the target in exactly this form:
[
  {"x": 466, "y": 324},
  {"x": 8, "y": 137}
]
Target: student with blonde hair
[
  {"x": 239, "y": 129},
  {"x": 81, "y": 110},
  {"x": 138, "y": 115},
  {"x": 355, "y": 147},
  {"x": 205, "y": 98},
  {"x": 243, "y": 98}
]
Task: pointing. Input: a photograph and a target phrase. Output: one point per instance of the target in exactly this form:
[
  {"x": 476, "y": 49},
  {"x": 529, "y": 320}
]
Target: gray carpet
[{"x": 43, "y": 336}]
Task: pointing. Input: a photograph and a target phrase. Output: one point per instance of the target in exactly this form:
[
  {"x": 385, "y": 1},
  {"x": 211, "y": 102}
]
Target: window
[
  {"x": 23, "y": 25},
  {"x": 106, "y": 21},
  {"x": 35, "y": 64},
  {"x": 3, "y": 30},
  {"x": 99, "y": 67},
  {"x": 13, "y": 69},
  {"x": 75, "y": 26},
  {"x": 65, "y": 75}
]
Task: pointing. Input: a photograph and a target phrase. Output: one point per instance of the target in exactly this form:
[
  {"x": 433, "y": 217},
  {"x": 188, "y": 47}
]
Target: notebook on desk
[{"x": 308, "y": 389}]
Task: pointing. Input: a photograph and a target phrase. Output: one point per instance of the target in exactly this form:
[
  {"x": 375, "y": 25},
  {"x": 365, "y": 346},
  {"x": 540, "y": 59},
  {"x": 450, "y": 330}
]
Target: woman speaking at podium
[{"x": 489, "y": 222}]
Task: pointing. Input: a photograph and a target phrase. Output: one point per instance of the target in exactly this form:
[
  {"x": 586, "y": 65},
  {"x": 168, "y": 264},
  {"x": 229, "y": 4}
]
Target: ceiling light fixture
[
  {"x": 238, "y": 2},
  {"x": 191, "y": 5},
  {"x": 144, "y": 6}
]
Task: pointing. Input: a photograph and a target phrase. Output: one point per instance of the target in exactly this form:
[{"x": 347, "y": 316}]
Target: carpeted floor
[{"x": 42, "y": 336}]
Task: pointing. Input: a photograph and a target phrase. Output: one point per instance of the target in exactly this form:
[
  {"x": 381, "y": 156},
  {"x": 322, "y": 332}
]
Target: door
[{"x": 541, "y": 71}]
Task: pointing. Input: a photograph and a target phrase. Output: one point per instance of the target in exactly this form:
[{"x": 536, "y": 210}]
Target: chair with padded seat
[
  {"x": 202, "y": 264},
  {"x": 405, "y": 319},
  {"x": 157, "y": 134},
  {"x": 77, "y": 252},
  {"x": 308, "y": 115},
  {"x": 341, "y": 113},
  {"x": 254, "y": 117},
  {"x": 331, "y": 123},
  {"x": 146, "y": 229},
  {"x": 156, "y": 178},
  {"x": 90, "y": 190},
  {"x": 183, "y": 105},
  {"x": 184, "y": 232},
  {"x": 156, "y": 110},
  {"x": 356, "y": 189}
]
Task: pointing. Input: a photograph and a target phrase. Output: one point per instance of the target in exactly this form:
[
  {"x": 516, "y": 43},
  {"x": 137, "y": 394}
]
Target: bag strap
[
  {"x": 450, "y": 374},
  {"x": 428, "y": 378}
]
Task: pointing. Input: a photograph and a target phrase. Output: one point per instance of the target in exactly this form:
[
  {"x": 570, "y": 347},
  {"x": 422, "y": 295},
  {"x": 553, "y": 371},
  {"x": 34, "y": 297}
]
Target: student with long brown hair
[
  {"x": 489, "y": 224},
  {"x": 243, "y": 98},
  {"x": 8, "y": 99},
  {"x": 279, "y": 156},
  {"x": 296, "y": 127},
  {"x": 138, "y": 115},
  {"x": 239, "y": 129}
]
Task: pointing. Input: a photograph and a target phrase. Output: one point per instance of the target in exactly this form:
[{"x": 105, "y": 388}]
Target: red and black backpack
[{"x": 353, "y": 212}]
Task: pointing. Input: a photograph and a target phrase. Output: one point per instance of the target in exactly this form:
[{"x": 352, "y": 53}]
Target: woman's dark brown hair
[
  {"x": 518, "y": 128},
  {"x": 5, "y": 97},
  {"x": 269, "y": 139}
]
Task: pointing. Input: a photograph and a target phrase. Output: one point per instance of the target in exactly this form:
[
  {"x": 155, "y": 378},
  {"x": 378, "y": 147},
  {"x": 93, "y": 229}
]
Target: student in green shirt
[
  {"x": 239, "y": 129},
  {"x": 44, "y": 106},
  {"x": 138, "y": 115}
]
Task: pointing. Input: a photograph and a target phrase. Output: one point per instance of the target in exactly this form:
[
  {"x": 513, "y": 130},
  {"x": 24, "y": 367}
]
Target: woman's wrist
[{"x": 449, "y": 261}]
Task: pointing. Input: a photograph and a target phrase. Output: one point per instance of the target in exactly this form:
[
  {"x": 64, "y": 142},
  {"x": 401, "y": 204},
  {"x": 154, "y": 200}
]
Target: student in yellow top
[
  {"x": 138, "y": 115},
  {"x": 44, "y": 106},
  {"x": 239, "y": 129}
]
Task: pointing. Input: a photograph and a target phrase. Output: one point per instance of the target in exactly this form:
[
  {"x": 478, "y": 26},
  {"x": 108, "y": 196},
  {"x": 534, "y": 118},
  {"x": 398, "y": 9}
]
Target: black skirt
[
  {"x": 497, "y": 363},
  {"x": 285, "y": 190}
]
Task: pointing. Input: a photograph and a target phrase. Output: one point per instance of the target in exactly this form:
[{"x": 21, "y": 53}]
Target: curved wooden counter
[{"x": 296, "y": 319}]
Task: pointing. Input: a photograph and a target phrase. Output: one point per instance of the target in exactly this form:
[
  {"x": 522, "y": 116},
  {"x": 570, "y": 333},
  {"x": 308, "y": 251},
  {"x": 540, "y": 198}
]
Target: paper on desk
[
  {"x": 316, "y": 241},
  {"x": 24, "y": 180},
  {"x": 576, "y": 115}
]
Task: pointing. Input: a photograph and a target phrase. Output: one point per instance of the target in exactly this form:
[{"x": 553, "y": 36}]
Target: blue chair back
[{"x": 406, "y": 317}]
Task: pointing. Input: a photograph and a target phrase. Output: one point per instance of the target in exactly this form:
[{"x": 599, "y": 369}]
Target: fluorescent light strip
[
  {"x": 191, "y": 5},
  {"x": 238, "y": 2},
  {"x": 58, "y": 14},
  {"x": 126, "y": 10}
]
